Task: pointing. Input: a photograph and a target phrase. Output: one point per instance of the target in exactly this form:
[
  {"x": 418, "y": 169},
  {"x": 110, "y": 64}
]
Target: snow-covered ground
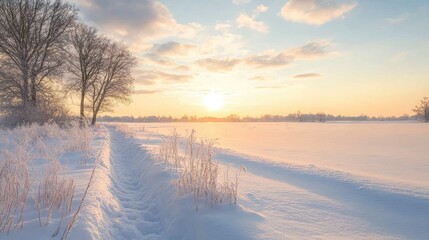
[
  {"x": 324, "y": 180},
  {"x": 303, "y": 181}
]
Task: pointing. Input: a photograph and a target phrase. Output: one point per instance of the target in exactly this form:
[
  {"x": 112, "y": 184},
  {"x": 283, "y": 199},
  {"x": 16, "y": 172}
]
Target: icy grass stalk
[
  {"x": 14, "y": 187},
  {"x": 198, "y": 172},
  {"x": 127, "y": 130},
  {"x": 169, "y": 151},
  {"x": 55, "y": 193}
]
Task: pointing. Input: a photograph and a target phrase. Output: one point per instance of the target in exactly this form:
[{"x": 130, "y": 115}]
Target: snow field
[{"x": 134, "y": 193}]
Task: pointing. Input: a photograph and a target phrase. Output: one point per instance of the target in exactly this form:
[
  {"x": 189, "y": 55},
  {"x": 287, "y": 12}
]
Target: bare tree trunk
[
  {"x": 82, "y": 104},
  {"x": 94, "y": 118},
  {"x": 427, "y": 115},
  {"x": 33, "y": 92},
  {"x": 25, "y": 89}
]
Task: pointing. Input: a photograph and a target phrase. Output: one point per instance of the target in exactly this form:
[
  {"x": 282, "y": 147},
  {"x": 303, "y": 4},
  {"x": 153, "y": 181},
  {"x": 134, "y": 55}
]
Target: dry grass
[
  {"x": 14, "y": 188},
  {"x": 198, "y": 172},
  {"x": 52, "y": 192}
]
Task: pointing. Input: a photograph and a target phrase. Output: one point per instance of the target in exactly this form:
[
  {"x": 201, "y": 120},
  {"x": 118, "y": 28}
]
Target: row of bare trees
[
  {"x": 45, "y": 53},
  {"x": 100, "y": 69}
]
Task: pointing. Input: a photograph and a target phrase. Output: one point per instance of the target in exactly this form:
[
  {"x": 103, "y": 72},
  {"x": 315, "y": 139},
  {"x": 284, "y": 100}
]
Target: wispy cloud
[
  {"x": 315, "y": 12},
  {"x": 270, "y": 87},
  {"x": 218, "y": 65},
  {"x": 398, "y": 19},
  {"x": 307, "y": 75},
  {"x": 142, "y": 91},
  {"x": 271, "y": 59},
  {"x": 311, "y": 50},
  {"x": 172, "y": 49},
  {"x": 258, "y": 78},
  {"x": 162, "y": 77}
]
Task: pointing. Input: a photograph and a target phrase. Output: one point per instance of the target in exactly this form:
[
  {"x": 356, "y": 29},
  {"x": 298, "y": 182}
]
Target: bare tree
[
  {"x": 32, "y": 38},
  {"x": 321, "y": 117},
  {"x": 422, "y": 110},
  {"x": 299, "y": 116},
  {"x": 115, "y": 83},
  {"x": 85, "y": 60}
]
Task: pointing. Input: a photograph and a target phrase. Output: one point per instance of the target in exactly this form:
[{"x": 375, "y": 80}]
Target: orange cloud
[
  {"x": 315, "y": 12},
  {"x": 218, "y": 65},
  {"x": 150, "y": 77},
  {"x": 307, "y": 75}
]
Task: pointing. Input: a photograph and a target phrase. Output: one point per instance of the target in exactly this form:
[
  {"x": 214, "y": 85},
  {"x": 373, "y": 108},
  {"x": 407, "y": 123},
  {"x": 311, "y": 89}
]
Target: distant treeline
[{"x": 296, "y": 117}]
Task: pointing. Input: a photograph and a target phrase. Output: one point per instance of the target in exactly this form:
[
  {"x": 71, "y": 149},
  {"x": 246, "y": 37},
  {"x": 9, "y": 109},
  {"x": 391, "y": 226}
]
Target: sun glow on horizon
[{"x": 213, "y": 101}]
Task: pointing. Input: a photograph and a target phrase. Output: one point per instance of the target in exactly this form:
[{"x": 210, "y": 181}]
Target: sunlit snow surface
[
  {"x": 396, "y": 153},
  {"x": 324, "y": 180}
]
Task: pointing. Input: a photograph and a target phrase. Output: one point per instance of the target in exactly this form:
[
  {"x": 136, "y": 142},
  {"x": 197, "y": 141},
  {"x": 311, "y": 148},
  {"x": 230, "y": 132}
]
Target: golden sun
[{"x": 213, "y": 101}]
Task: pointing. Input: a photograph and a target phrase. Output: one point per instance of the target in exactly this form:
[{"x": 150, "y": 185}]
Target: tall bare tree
[
  {"x": 85, "y": 60},
  {"x": 115, "y": 83},
  {"x": 33, "y": 34},
  {"x": 422, "y": 110}
]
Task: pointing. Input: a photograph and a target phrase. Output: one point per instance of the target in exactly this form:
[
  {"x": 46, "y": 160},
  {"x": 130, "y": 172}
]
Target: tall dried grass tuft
[{"x": 198, "y": 172}]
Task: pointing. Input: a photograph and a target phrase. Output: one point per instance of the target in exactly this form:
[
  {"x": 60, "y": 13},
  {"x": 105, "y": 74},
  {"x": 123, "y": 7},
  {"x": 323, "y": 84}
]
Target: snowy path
[{"x": 138, "y": 218}]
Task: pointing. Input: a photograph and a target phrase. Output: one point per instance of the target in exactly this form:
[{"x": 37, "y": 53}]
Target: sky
[{"x": 254, "y": 57}]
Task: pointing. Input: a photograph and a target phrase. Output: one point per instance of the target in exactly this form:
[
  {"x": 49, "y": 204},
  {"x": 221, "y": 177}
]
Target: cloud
[
  {"x": 183, "y": 68},
  {"x": 223, "y": 27},
  {"x": 398, "y": 19},
  {"x": 261, "y": 8},
  {"x": 270, "y": 87},
  {"x": 172, "y": 49},
  {"x": 142, "y": 91},
  {"x": 244, "y": 20},
  {"x": 270, "y": 59},
  {"x": 218, "y": 65},
  {"x": 258, "y": 78},
  {"x": 238, "y": 2},
  {"x": 311, "y": 50},
  {"x": 134, "y": 20},
  {"x": 307, "y": 75},
  {"x": 315, "y": 12},
  {"x": 163, "y": 77}
]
